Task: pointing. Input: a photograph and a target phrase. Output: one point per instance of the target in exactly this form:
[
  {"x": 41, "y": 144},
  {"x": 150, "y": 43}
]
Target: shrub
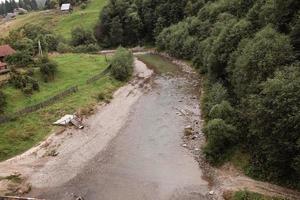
[
  {"x": 83, "y": 6},
  {"x": 80, "y": 36},
  {"x": 24, "y": 82},
  {"x": 48, "y": 68},
  {"x": 2, "y": 102},
  {"x": 222, "y": 111},
  {"x": 213, "y": 95},
  {"x": 90, "y": 48},
  {"x": 20, "y": 59},
  {"x": 122, "y": 64},
  {"x": 52, "y": 42},
  {"x": 64, "y": 48},
  {"x": 220, "y": 138},
  {"x": 24, "y": 44}
]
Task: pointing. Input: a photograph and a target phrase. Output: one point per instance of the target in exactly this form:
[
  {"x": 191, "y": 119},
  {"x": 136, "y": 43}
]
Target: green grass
[
  {"x": 158, "y": 63},
  {"x": 20, "y": 135},
  {"x": 73, "y": 69},
  {"x": 246, "y": 195},
  {"x": 86, "y": 18},
  {"x": 59, "y": 22}
]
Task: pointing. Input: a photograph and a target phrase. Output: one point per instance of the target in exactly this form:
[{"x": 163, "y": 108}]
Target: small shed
[
  {"x": 6, "y": 50},
  {"x": 66, "y": 7}
]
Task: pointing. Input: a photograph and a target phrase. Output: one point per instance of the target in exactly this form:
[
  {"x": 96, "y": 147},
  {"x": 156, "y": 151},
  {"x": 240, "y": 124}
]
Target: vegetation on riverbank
[
  {"x": 73, "y": 69},
  {"x": 249, "y": 53},
  {"x": 246, "y": 195}
]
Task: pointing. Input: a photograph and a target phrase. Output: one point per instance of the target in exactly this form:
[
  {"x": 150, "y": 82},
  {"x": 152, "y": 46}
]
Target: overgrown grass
[
  {"x": 59, "y": 22},
  {"x": 20, "y": 135},
  {"x": 246, "y": 195},
  {"x": 158, "y": 63}
]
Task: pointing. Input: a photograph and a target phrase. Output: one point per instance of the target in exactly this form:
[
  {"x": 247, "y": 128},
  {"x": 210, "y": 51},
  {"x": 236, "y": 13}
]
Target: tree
[
  {"x": 257, "y": 59},
  {"x": 274, "y": 116}
]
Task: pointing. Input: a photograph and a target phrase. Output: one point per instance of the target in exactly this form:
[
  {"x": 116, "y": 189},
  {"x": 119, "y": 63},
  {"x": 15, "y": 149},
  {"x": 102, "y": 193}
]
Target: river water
[{"x": 146, "y": 160}]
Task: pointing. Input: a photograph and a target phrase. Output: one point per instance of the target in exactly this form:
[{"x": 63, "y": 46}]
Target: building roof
[
  {"x": 2, "y": 64},
  {"x": 6, "y": 50},
  {"x": 65, "y": 6}
]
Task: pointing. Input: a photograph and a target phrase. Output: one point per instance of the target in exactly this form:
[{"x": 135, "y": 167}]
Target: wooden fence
[
  {"x": 51, "y": 100},
  {"x": 98, "y": 76},
  {"x": 40, "y": 105}
]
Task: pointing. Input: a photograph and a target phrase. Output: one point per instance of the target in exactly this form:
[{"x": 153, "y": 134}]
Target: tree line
[
  {"x": 248, "y": 51},
  {"x": 9, "y": 6}
]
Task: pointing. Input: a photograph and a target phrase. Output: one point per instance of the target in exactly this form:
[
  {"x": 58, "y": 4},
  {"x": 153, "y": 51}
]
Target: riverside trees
[{"x": 249, "y": 52}]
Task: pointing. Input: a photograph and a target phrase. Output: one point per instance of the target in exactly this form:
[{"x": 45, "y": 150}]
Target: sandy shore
[{"x": 76, "y": 147}]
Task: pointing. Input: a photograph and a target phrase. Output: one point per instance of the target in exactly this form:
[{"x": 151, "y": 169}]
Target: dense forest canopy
[{"x": 249, "y": 52}]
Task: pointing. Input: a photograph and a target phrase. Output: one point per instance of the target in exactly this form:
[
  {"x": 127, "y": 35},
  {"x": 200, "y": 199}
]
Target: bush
[
  {"x": 20, "y": 59},
  {"x": 80, "y": 36},
  {"x": 213, "y": 95},
  {"x": 48, "y": 68},
  {"x": 24, "y": 82},
  {"x": 2, "y": 102},
  {"x": 90, "y": 48},
  {"x": 83, "y": 6},
  {"x": 222, "y": 111},
  {"x": 52, "y": 42},
  {"x": 220, "y": 139},
  {"x": 64, "y": 48},
  {"x": 122, "y": 64}
]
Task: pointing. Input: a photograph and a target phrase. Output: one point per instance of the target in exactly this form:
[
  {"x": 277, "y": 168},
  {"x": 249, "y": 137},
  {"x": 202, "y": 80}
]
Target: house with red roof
[{"x": 5, "y": 50}]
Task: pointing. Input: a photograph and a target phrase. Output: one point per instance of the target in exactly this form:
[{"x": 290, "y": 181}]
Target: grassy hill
[
  {"x": 73, "y": 69},
  {"x": 59, "y": 22}
]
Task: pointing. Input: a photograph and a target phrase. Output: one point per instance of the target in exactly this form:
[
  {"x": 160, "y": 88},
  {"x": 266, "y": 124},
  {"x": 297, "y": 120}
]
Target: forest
[{"x": 248, "y": 53}]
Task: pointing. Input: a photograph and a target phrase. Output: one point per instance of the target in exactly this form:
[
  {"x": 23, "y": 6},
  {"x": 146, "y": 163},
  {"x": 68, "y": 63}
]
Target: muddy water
[{"x": 146, "y": 160}]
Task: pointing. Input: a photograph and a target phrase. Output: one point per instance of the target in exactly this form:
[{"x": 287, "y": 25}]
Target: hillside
[{"x": 55, "y": 20}]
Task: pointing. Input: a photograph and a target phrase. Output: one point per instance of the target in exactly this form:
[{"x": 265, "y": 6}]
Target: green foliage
[
  {"x": 64, "y": 48},
  {"x": 215, "y": 94},
  {"x": 220, "y": 139},
  {"x": 20, "y": 59},
  {"x": 240, "y": 46},
  {"x": 27, "y": 37},
  {"x": 122, "y": 64},
  {"x": 48, "y": 68},
  {"x": 81, "y": 36},
  {"x": 257, "y": 59},
  {"x": 128, "y": 22},
  {"x": 222, "y": 111},
  {"x": 23, "y": 82},
  {"x": 274, "y": 117},
  {"x": 2, "y": 102},
  {"x": 90, "y": 48},
  {"x": 246, "y": 195}
]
